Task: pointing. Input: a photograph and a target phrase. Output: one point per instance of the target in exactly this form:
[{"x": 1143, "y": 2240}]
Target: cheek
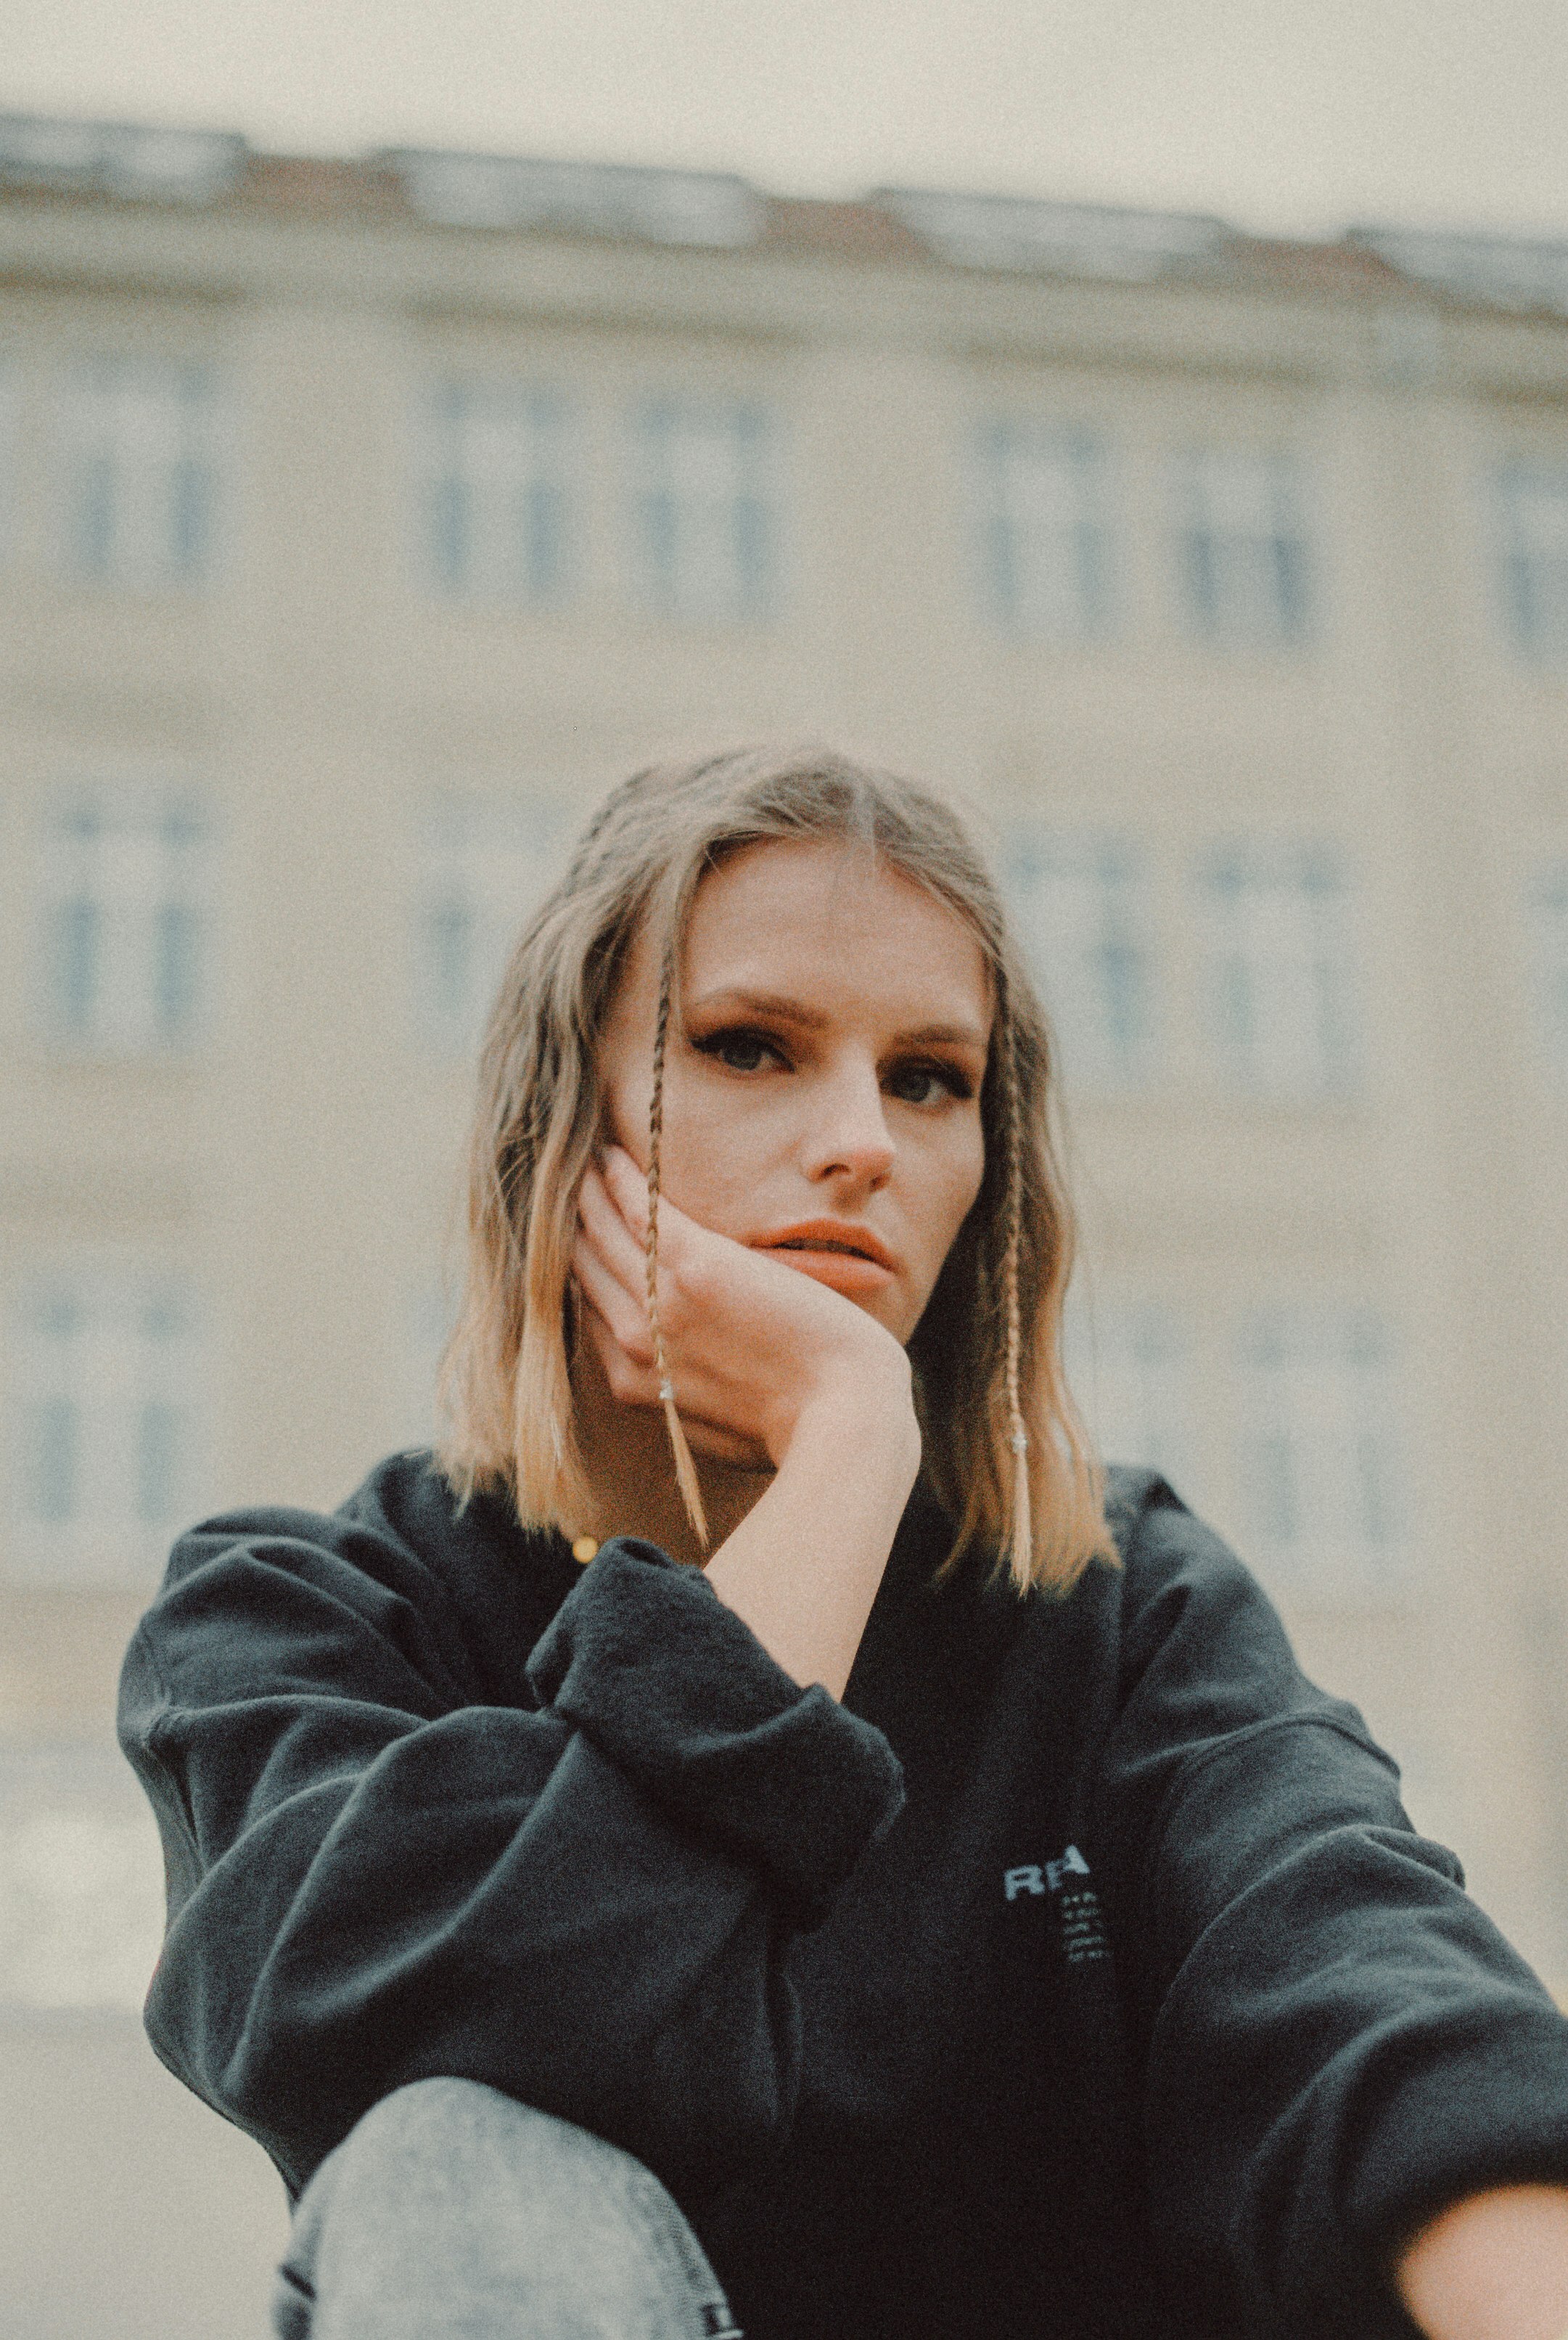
[
  {"x": 950, "y": 1188},
  {"x": 625, "y": 1116},
  {"x": 718, "y": 1144},
  {"x": 968, "y": 1175}
]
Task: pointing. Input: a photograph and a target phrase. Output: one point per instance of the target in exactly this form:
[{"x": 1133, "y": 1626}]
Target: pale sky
[{"x": 1290, "y": 115}]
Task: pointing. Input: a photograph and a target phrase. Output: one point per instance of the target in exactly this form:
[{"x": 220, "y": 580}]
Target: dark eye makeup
[
  {"x": 923, "y": 1070},
  {"x": 740, "y": 1047},
  {"x": 743, "y": 1048}
]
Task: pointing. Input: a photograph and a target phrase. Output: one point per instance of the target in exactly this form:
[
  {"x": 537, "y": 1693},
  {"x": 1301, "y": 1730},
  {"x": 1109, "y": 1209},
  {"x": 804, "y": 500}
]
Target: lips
[{"x": 834, "y": 1251}]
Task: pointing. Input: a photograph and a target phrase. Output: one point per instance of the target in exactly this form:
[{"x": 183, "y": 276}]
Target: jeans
[{"x": 454, "y": 2213}]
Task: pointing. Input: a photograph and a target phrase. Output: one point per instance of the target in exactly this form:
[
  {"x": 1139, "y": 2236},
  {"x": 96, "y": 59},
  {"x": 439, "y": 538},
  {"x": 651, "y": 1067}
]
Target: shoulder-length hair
[{"x": 1004, "y": 1450}]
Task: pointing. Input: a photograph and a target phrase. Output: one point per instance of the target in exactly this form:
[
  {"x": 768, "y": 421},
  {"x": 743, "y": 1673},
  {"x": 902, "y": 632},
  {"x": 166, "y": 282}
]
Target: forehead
[{"x": 833, "y": 923}]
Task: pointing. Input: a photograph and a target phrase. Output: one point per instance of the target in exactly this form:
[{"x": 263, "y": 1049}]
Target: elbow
[{"x": 701, "y": 2088}]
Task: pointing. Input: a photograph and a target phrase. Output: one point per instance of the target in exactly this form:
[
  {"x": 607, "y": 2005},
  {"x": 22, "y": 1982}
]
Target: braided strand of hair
[
  {"x": 685, "y": 1468},
  {"x": 1022, "y": 1524}
]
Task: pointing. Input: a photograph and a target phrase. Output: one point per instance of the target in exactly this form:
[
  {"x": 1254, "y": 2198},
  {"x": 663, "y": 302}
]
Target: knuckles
[
  {"x": 690, "y": 1283},
  {"x": 635, "y": 1341},
  {"x": 628, "y": 1380}
]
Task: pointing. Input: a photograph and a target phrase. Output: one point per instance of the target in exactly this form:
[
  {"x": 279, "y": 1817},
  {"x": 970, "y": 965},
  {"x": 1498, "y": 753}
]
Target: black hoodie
[{"x": 1079, "y": 1974}]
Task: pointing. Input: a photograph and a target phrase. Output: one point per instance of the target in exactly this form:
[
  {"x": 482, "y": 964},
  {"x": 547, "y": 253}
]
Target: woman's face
[{"x": 822, "y": 1095}]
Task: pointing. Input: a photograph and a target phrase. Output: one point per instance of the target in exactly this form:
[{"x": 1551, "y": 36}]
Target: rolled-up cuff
[{"x": 646, "y": 1660}]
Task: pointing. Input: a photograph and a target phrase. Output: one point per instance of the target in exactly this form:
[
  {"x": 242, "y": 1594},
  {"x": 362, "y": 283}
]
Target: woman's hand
[
  {"x": 769, "y": 1366},
  {"x": 752, "y": 1346}
]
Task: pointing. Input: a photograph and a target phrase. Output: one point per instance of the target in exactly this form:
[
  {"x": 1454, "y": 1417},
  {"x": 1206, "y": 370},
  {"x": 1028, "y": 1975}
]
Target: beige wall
[{"x": 301, "y": 1161}]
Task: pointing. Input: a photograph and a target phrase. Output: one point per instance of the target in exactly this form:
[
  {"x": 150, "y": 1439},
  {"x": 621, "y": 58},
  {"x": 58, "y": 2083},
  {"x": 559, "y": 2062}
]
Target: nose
[{"x": 848, "y": 1141}]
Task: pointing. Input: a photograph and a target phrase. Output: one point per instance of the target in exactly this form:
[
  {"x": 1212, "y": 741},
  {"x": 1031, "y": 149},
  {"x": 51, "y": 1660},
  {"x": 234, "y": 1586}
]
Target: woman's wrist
[
  {"x": 868, "y": 1403},
  {"x": 804, "y": 1566}
]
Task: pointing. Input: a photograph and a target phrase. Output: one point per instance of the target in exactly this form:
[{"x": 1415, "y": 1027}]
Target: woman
[{"x": 919, "y": 1862}]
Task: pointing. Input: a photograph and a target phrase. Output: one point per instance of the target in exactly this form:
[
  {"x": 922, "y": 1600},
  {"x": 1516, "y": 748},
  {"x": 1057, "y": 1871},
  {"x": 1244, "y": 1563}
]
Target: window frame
[
  {"x": 165, "y": 928},
  {"x": 469, "y": 832},
  {"x": 115, "y": 1382},
  {"x": 538, "y": 572},
  {"x": 1332, "y": 1071},
  {"x": 1224, "y": 615},
  {"x": 1099, "y": 1063},
  {"x": 141, "y": 510},
  {"x": 1353, "y": 1404},
  {"x": 1118, "y": 1345},
  {"x": 661, "y": 562},
  {"x": 1542, "y": 645},
  {"x": 999, "y": 445}
]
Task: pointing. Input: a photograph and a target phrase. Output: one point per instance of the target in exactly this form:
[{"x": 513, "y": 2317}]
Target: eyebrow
[{"x": 784, "y": 1010}]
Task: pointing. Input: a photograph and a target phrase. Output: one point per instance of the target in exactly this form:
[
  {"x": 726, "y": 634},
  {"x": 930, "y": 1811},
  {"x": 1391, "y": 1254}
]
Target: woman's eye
[
  {"x": 742, "y": 1052},
  {"x": 927, "y": 1084}
]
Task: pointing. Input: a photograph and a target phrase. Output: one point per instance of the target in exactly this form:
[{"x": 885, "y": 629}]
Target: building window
[
  {"x": 483, "y": 868},
  {"x": 1082, "y": 906},
  {"x": 1317, "y": 1450},
  {"x": 1130, "y": 1367},
  {"x": 1043, "y": 537},
  {"x": 106, "y": 1430},
  {"x": 10, "y": 418},
  {"x": 141, "y": 472},
  {"x": 492, "y": 461},
  {"x": 81, "y": 1881},
  {"x": 1533, "y": 512},
  {"x": 705, "y": 511},
  {"x": 1243, "y": 558},
  {"x": 1547, "y": 905},
  {"x": 124, "y": 923},
  {"x": 1280, "y": 980}
]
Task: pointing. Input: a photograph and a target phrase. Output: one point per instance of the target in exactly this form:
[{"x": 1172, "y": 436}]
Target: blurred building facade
[{"x": 361, "y": 522}]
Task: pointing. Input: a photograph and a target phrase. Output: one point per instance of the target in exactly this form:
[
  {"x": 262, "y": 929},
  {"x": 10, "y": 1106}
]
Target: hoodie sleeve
[
  {"x": 372, "y": 1881},
  {"x": 1338, "y": 2042}
]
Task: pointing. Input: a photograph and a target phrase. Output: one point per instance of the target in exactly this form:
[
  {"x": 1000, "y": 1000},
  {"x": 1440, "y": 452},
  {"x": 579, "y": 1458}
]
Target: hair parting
[{"x": 685, "y": 1468}]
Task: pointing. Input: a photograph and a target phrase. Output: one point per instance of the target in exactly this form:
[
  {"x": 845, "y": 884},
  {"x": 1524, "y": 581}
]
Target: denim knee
[{"x": 452, "y": 2206}]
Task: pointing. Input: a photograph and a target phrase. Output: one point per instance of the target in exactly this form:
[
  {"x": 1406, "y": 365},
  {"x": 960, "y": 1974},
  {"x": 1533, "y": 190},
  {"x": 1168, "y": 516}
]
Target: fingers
[
  {"x": 628, "y": 1187},
  {"x": 629, "y": 1383},
  {"x": 612, "y": 1210},
  {"x": 618, "y": 1335},
  {"x": 618, "y": 1245},
  {"x": 611, "y": 1272},
  {"x": 609, "y": 1265},
  {"x": 616, "y": 1323},
  {"x": 622, "y": 1312}
]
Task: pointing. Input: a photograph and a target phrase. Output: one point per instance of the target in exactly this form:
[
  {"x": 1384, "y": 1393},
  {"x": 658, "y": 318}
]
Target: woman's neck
[{"x": 627, "y": 1458}]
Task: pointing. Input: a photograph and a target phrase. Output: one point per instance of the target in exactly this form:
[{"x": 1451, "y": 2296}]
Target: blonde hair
[{"x": 1004, "y": 1450}]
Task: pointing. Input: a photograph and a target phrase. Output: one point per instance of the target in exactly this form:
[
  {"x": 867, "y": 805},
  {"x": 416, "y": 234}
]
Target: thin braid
[
  {"x": 1022, "y": 1524},
  {"x": 685, "y": 1469}
]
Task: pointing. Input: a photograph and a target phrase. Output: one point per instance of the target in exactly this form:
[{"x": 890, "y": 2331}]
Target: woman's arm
[
  {"x": 567, "y": 1863},
  {"x": 578, "y": 1886},
  {"x": 1492, "y": 2267},
  {"x": 806, "y": 1594},
  {"x": 772, "y": 1360},
  {"x": 1335, "y": 2037}
]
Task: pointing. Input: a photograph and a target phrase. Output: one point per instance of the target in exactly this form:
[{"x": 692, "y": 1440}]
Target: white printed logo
[
  {"x": 1076, "y": 1906},
  {"x": 1046, "y": 1878}
]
